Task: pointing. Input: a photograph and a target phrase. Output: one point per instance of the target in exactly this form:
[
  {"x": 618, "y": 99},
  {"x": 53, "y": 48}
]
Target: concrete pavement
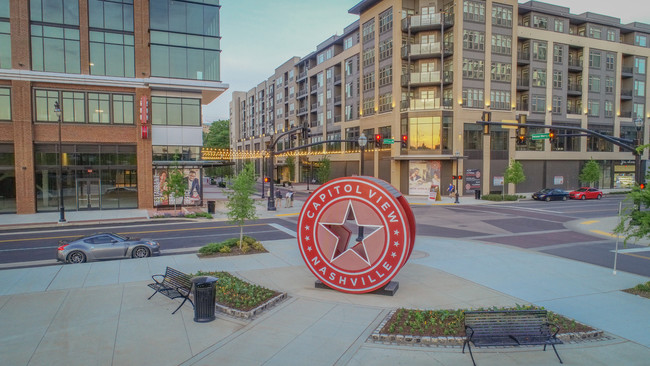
[{"x": 98, "y": 313}]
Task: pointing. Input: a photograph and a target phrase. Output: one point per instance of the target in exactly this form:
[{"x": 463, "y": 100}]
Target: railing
[
  {"x": 523, "y": 56},
  {"x": 574, "y": 110},
  {"x": 575, "y": 63},
  {"x": 523, "y": 82},
  {"x": 426, "y": 20},
  {"x": 313, "y": 106},
  {"x": 314, "y": 87},
  {"x": 627, "y": 70},
  {"x": 425, "y": 77},
  {"x": 337, "y": 100},
  {"x": 626, "y": 114},
  {"x": 337, "y": 79},
  {"x": 337, "y": 118},
  {"x": 626, "y": 93},
  {"x": 302, "y": 74},
  {"x": 522, "y": 106},
  {"x": 421, "y": 49},
  {"x": 302, "y": 92},
  {"x": 302, "y": 110},
  {"x": 574, "y": 87}
]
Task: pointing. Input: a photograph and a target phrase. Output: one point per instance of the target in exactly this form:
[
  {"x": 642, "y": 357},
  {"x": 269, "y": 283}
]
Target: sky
[{"x": 260, "y": 35}]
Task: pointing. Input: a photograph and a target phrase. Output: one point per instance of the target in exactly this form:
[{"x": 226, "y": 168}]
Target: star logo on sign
[{"x": 351, "y": 236}]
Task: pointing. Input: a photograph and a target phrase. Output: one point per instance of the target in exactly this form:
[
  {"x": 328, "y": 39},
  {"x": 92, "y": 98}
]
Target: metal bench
[
  {"x": 509, "y": 328},
  {"x": 173, "y": 284}
]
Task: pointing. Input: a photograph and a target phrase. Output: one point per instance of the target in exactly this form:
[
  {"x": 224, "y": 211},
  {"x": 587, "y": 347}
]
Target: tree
[
  {"x": 324, "y": 170},
  {"x": 218, "y": 136},
  {"x": 515, "y": 173},
  {"x": 241, "y": 205},
  {"x": 635, "y": 223},
  {"x": 291, "y": 164},
  {"x": 176, "y": 185},
  {"x": 590, "y": 172}
]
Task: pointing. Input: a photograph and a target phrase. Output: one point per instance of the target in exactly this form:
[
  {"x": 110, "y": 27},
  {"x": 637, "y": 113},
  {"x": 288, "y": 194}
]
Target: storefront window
[{"x": 7, "y": 179}]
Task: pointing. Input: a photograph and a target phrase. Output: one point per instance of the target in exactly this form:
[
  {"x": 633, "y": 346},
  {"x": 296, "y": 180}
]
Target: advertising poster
[
  {"x": 423, "y": 176},
  {"x": 192, "y": 194},
  {"x": 472, "y": 180}
]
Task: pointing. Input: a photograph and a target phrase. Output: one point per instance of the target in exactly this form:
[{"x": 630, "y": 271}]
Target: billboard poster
[
  {"x": 472, "y": 179},
  {"x": 423, "y": 177},
  {"x": 193, "y": 189}
]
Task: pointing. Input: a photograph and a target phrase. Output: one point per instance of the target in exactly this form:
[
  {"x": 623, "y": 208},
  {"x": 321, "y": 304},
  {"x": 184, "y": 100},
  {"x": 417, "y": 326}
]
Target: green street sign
[
  {"x": 389, "y": 141},
  {"x": 539, "y": 136}
]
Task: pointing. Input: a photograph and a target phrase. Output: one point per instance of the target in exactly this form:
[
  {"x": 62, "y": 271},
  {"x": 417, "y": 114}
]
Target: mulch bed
[
  {"x": 634, "y": 291},
  {"x": 234, "y": 251}
]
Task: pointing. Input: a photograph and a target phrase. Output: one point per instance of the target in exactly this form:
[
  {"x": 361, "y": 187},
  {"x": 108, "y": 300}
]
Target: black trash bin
[
  {"x": 477, "y": 194},
  {"x": 211, "y": 205},
  {"x": 204, "y": 298}
]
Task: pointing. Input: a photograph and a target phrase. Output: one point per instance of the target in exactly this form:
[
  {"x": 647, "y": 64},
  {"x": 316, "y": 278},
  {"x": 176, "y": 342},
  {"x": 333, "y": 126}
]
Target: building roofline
[{"x": 363, "y": 6}]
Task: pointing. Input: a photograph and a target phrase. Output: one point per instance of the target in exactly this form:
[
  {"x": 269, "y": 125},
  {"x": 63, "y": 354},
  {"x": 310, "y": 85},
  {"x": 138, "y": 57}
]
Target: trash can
[
  {"x": 204, "y": 298},
  {"x": 477, "y": 194},
  {"x": 211, "y": 205}
]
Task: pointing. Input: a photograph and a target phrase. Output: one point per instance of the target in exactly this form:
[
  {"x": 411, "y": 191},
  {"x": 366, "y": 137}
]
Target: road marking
[
  {"x": 589, "y": 222},
  {"x": 633, "y": 250},
  {"x": 604, "y": 233},
  {"x": 289, "y": 214},
  {"x": 636, "y": 255},
  {"x": 285, "y": 230}
]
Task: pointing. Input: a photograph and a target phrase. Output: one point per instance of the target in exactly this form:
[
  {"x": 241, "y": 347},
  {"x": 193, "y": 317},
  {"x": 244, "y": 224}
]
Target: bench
[
  {"x": 173, "y": 284},
  {"x": 509, "y": 328}
]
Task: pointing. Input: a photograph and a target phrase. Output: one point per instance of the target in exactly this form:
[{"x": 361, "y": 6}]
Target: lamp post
[
  {"x": 363, "y": 141},
  {"x": 457, "y": 186},
  {"x": 263, "y": 176},
  {"x": 638, "y": 123},
  {"x": 57, "y": 110}
]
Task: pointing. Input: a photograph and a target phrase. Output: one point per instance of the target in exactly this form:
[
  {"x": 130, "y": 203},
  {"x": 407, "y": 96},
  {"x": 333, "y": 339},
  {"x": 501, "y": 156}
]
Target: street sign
[
  {"x": 509, "y": 121},
  {"x": 389, "y": 141},
  {"x": 539, "y": 136}
]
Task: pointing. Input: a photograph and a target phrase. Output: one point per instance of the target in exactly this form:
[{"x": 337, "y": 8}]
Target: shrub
[
  {"x": 227, "y": 245},
  {"x": 237, "y": 293},
  {"x": 499, "y": 197}
]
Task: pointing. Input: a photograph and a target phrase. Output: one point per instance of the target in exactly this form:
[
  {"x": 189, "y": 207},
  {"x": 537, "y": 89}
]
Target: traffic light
[
  {"x": 378, "y": 140},
  {"x": 552, "y": 134},
  {"x": 642, "y": 185},
  {"x": 405, "y": 141},
  {"x": 457, "y": 177},
  {"x": 521, "y": 140},
  {"x": 266, "y": 179},
  {"x": 306, "y": 131}
]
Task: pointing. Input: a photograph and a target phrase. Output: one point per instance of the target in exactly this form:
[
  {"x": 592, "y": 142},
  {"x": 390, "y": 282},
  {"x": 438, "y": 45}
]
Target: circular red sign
[{"x": 354, "y": 234}]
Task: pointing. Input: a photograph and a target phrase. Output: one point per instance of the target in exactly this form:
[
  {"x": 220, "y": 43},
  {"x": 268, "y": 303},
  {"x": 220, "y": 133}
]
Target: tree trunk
[{"x": 241, "y": 236}]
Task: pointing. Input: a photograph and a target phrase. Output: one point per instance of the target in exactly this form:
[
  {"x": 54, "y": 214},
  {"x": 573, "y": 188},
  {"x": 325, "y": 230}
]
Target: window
[
  {"x": 594, "y": 84},
  {"x": 501, "y": 72},
  {"x": 54, "y": 11},
  {"x": 112, "y": 54},
  {"x": 539, "y": 51},
  {"x": 559, "y": 26},
  {"x": 609, "y": 61},
  {"x": 348, "y": 112},
  {"x": 557, "y": 79},
  {"x": 98, "y": 109},
  {"x": 386, "y": 75},
  {"x": 474, "y": 11},
  {"x": 348, "y": 67},
  {"x": 473, "y": 40},
  {"x": 500, "y": 100},
  {"x": 368, "y": 57},
  {"x": 83, "y": 107},
  {"x": 348, "y": 90},
  {"x": 638, "y": 110},
  {"x": 386, "y": 21},
  {"x": 609, "y": 109},
  {"x": 557, "y": 104},
  {"x": 319, "y": 80},
  {"x": 538, "y": 104},
  {"x": 386, "y": 49},
  {"x": 595, "y": 32},
  {"x": 185, "y": 39},
  {"x": 473, "y": 98},
  {"x": 385, "y": 102},
  {"x": 502, "y": 16},
  {"x": 473, "y": 69},
  {"x": 558, "y": 53},
  {"x": 73, "y": 105},
  {"x": 593, "y": 108},
  {"x": 368, "y": 106},
  {"x": 539, "y": 77},
  {"x": 502, "y": 44},
  {"x": 5, "y": 42},
  {"x": 123, "y": 109},
  {"x": 5, "y": 104},
  {"x": 369, "y": 81},
  {"x": 639, "y": 88},
  {"x": 609, "y": 84},
  {"x": 55, "y": 49},
  {"x": 594, "y": 59},
  {"x": 115, "y": 15},
  {"x": 175, "y": 111},
  {"x": 368, "y": 30},
  {"x": 540, "y": 22},
  {"x": 639, "y": 65},
  {"x": 347, "y": 43},
  {"x": 641, "y": 40},
  {"x": 611, "y": 35}
]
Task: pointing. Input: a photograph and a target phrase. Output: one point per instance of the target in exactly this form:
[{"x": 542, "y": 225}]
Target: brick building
[{"x": 99, "y": 62}]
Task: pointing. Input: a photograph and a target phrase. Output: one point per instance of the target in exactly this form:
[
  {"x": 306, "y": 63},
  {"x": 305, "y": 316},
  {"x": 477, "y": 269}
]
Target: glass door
[{"x": 88, "y": 194}]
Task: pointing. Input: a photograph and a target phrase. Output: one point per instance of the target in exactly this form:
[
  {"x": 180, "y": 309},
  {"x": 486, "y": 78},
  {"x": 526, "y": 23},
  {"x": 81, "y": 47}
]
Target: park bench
[
  {"x": 509, "y": 328},
  {"x": 173, "y": 284}
]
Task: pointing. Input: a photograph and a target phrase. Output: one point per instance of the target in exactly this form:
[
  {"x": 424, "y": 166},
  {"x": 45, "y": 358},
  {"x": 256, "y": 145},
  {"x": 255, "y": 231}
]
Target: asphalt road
[{"x": 529, "y": 225}]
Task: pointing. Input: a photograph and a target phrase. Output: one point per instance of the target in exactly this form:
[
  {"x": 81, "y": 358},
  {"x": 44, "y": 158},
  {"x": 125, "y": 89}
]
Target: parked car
[
  {"x": 586, "y": 193},
  {"x": 551, "y": 194},
  {"x": 105, "y": 246}
]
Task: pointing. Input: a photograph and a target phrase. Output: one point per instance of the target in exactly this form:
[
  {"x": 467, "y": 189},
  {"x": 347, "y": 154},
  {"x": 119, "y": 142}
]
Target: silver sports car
[{"x": 105, "y": 246}]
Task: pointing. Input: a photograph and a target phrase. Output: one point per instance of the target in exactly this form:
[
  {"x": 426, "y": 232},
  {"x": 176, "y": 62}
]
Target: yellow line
[
  {"x": 132, "y": 232},
  {"x": 289, "y": 214},
  {"x": 589, "y": 222},
  {"x": 603, "y": 233},
  {"x": 636, "y": 255}
]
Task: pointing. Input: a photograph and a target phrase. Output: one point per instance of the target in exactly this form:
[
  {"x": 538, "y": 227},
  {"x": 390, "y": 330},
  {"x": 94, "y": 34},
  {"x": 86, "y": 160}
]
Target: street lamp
[
  {"x": 457, "y": 186},
  {"x": 638, "y": 123},
  {"x": 57, "y": 110},
  {"x": 363, "y": 141},
  {"x": 263, "y": 176}
]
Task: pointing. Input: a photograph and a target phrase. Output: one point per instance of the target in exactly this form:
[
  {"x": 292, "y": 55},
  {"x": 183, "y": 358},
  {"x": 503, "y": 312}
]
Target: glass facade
[
  {"x": 93, "y": 177},
  {"x": 111, "y": 38},
  {"x": 5, "y": 104},
  {"x": 55, "y": 36},
  {"x": 5, "y": 35},
  {"x": 83, "y": 107},
  {"x": 175, "y": 111},
  {"x": 185, "y": 39},
  {"x": 7, "y": 179}
]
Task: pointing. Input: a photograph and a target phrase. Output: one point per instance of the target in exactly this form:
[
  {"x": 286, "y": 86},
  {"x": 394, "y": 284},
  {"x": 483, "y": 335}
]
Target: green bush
[
  {"x": 227, "y": 245},
  {"x": 236, "y": 293},
  {"x": 645, "y": 287},
  {"x": 499, "y": 197}
]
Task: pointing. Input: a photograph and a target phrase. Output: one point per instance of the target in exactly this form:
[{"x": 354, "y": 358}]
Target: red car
[{"x": 586, "y": 193}]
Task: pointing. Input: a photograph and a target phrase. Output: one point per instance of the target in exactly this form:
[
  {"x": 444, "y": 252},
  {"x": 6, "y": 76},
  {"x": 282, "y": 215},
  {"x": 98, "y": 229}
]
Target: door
[
  {"x": 88, "y": 194},
  {"x": 107, "y": 246}
]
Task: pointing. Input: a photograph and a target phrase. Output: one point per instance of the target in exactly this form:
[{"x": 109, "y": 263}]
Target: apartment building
[
  {"x": 425, "y": 71},
  {"x": 98, "y": 99}
]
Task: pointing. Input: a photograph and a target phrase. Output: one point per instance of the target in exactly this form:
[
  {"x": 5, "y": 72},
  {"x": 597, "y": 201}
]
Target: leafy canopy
[
  {"x": 324, "y": 170},
  {"x": 241, "y": 205},
  {"x": 176, "y": 185},
  {"x": 590, "y": 172},
  {"x": 514, "y": 173}
]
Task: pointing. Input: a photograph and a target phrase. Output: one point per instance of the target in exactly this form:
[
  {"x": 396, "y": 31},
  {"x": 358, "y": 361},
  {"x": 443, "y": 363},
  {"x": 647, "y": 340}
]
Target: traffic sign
[
  {"x": 539, "y": 136},
  {"x": 389, "y": 141}
]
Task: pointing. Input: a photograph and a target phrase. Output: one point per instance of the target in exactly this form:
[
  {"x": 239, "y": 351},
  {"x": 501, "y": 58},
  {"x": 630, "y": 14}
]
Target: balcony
[
  {"x": 523, "y": 58},
  {"x": 574, "y": 90},
  {"x": 314, "y": 88},
  {"x": 418, "y": 23},
  {"x": 337, "y": 119},
  {"x": 337, "y": 79},
  {"x": 575, "y": 65},
  {"x": 302, "y": 93},
  {"x": 302, "y": 111},
  {"x": 626, "y": 114},
  {"x": 626, "y": 94},
  {"x": 522, "y": 106},
  {"x": 420, "y": 104},
  {"x": 428, "y": 50},
  {"x": 421, "y": 78},
  {"x": 627, "y": 72},
  {"x": 523, "y": 84},
  {"x": 337, "y": 100},
  {"x": 574, "y": 110},
  {"x": 302, "y": 75}
]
